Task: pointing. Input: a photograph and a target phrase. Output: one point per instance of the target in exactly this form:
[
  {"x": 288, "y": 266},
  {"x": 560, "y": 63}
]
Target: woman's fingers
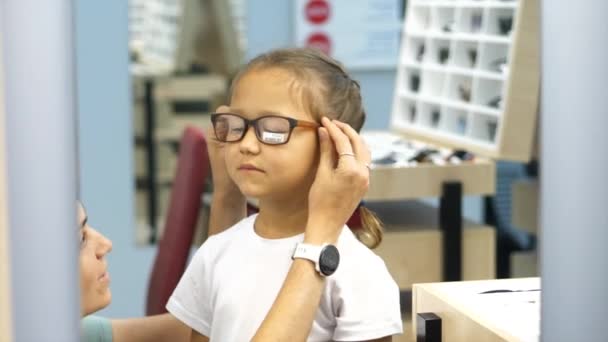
[
  {"x": 336, "y": 191},
  {"x": 327, "y": 157},
  {"x": 211, "y": 130},
  {"x": 337, "y": 136},
  {"x": 346, "y": 156},
  {"x": 360, "y": 149}
]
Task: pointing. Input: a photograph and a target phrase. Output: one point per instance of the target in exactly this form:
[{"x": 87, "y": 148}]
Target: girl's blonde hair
[{"x": 326, "y": 89}]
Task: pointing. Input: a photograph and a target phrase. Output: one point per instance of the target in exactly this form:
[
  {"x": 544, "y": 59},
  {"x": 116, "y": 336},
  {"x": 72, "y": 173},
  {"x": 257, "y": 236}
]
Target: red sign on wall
[
  {"x": 361, "y": 34},
  {"x": 317, "y": 11},
  {"x": 319, "y": 41}
]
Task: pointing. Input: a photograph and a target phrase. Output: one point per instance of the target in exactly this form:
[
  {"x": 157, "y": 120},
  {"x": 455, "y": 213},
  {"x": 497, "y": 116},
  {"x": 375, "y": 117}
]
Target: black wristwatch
[{"x": 326, "y": 257}]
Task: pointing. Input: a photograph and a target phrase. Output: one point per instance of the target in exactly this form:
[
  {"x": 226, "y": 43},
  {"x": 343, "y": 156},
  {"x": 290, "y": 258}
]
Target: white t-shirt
[{"x": 235, "y": 276}]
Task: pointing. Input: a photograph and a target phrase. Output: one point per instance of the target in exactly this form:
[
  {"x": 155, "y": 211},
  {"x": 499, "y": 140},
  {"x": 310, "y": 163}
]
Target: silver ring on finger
[{"x": 347, "y": 154}]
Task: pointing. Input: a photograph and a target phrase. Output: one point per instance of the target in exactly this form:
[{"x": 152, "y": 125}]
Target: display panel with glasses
[{"x": 471, "y": 61}]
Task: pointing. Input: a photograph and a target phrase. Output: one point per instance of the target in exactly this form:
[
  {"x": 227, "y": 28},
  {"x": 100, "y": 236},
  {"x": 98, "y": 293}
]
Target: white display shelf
[
  {"x": 468, "y": 76},
  {"x": 463, "y": 3},
  {"x": 460, "y": 36},
  {"x": 441, "y": 101}
]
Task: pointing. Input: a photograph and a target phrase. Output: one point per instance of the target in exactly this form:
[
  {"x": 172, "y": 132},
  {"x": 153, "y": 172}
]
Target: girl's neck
[{"x": 281, "y": 218}]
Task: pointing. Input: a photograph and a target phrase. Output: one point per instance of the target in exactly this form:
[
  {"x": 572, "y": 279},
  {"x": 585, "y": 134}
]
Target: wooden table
[{"x": 463, "y": 312}]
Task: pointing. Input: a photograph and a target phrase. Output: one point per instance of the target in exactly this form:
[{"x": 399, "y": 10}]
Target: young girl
[{"x": 272, "y": 153}]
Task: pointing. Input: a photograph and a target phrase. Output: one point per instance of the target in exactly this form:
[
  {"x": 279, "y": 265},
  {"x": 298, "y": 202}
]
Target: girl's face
[
  {"x": 280, "y": 172},
  {"x": 94, "y": 277}
]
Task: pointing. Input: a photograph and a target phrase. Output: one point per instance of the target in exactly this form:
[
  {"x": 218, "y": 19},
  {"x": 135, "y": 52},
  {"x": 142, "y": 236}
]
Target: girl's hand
[{"x": 341, "y": 181}]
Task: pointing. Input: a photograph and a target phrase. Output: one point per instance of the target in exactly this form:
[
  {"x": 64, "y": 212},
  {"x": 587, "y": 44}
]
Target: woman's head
[{"x": 94, "y": 277}]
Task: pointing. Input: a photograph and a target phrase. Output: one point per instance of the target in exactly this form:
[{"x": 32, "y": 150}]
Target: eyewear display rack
[
  {"x": 467, "y": 79},
  {"x": 208, "y": 54},
  {"x": 163, "y": 107},
  {"x": 468, "y": 75}
]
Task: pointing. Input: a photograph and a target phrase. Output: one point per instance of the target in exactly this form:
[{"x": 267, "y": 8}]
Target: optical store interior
[{"x": 304, "y": 170}]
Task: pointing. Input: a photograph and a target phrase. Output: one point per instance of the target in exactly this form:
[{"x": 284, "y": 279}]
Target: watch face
[{"x": 329, "y": 260}]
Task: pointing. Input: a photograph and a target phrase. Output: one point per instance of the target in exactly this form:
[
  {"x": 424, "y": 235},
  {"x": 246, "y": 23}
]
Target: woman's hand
[
  {"x": 229, "y": 204},
  {"x": 341, "y": 181},
  {"x": 222, "y": 183}
]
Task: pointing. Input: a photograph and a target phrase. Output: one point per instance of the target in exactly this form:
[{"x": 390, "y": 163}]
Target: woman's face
[
  {"x": 94, "y": 277},
  {"x": 271, "y": 171}
]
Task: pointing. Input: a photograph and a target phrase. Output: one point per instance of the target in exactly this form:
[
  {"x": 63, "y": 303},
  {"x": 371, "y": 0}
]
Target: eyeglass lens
[{"x": 269, "y": 130}]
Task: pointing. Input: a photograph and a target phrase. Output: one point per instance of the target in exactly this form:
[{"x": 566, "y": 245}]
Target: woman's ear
[{"x": 222, "y": 109}]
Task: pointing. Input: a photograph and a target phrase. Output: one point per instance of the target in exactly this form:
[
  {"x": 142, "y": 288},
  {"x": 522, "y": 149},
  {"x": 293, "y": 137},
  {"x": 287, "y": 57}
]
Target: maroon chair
[{"x": 175, "y": 244}]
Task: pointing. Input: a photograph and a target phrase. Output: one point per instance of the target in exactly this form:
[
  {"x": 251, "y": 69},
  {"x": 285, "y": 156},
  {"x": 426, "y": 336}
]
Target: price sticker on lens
[{"x": 274, "y": 138}]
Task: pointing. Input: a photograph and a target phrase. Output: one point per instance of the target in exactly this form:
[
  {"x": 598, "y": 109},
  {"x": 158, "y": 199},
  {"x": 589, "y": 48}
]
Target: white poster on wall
[{"x": 362, "y": 34}]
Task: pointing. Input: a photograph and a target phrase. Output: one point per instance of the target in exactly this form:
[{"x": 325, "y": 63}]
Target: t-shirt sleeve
[
  {"x": 96, "y": 329},
  {"x": 191, "y": 301},
  {"x": 366, "y": 301}
]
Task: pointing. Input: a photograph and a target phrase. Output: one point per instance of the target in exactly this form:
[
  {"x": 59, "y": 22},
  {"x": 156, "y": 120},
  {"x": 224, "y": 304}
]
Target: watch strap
[{"x": 308, "y": 251}]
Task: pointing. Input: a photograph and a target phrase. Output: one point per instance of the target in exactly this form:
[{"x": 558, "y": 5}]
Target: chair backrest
[{"x": 175, "y": 244}]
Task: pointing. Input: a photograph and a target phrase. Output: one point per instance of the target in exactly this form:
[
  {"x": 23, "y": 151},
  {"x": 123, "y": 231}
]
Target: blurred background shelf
[{"x": 183, "y": 55}]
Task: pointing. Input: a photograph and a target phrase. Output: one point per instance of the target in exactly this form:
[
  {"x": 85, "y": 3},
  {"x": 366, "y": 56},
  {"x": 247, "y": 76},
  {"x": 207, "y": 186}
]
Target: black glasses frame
[{"x": 293, "y": 123}]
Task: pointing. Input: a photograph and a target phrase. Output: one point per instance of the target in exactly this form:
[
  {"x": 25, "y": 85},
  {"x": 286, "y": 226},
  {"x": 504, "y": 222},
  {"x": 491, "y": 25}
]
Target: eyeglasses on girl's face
[{"x": 269, "y": 129}]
